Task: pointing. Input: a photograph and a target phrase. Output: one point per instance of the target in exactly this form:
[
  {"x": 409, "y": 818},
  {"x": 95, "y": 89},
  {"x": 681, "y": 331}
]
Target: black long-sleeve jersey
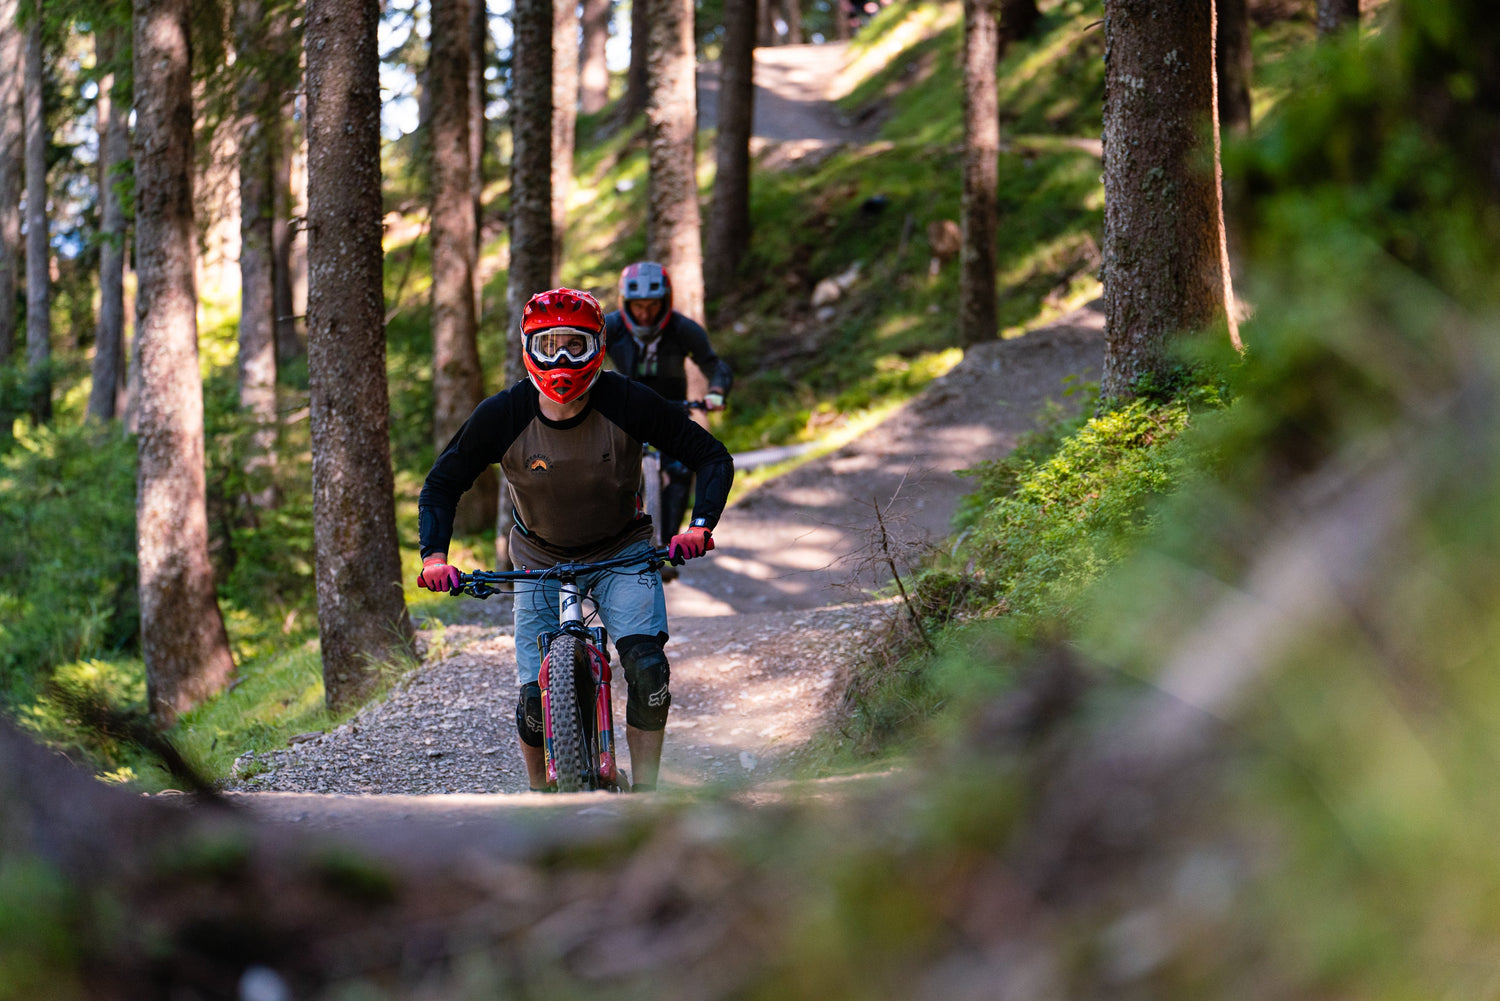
[
  {"x": 661, "y": 366},
  {"x": 575, "y": 482}
]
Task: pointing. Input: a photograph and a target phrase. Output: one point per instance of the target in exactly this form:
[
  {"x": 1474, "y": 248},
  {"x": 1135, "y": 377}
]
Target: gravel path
[
  {"x": 746, "y": 695},
  {"x": 763, "y": 630}
]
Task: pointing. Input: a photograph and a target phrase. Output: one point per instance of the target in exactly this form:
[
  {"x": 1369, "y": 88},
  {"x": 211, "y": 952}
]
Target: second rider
[
  {"x": 568, "y": 439},
  {"x": 649, "y": 341}
]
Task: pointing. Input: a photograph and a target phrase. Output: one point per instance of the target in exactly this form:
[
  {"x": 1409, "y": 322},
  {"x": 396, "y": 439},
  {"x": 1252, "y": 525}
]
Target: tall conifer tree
[
  {"x": 362, "y": 618},
  {"x": 183, "y": 640}
]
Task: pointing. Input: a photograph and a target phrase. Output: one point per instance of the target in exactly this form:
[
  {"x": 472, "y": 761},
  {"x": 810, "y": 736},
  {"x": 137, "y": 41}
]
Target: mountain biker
[
  {"x": 568, "y": 438},
  {"x": 650, "y": 342}
]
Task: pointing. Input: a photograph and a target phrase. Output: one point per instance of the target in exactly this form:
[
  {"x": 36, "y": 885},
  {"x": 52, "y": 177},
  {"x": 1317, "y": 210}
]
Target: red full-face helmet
[
  {"x": 649, "y": 283},
  {"x": 562, "y": 340}
]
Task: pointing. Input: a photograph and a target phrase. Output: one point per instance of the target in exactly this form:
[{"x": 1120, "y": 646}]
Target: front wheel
[{"x": 570, "y": 725}]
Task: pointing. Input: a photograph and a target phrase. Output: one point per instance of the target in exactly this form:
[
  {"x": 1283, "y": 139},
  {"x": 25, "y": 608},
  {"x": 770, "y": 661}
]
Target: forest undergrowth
[
  {"x": 1213, "y": 707},
  {"x": 805, "y": 372}
]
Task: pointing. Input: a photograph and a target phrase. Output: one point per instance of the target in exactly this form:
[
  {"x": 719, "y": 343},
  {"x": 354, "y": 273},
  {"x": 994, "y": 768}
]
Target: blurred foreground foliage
[
  {"x": 1249, "y": 721},
  {"x": 1244, "y": 748}
]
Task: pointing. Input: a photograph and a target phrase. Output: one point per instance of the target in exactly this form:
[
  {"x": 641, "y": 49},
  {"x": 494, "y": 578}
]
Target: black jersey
[
  {"x": 660, "y": 365},
  {"x": 574, "y": 483}
]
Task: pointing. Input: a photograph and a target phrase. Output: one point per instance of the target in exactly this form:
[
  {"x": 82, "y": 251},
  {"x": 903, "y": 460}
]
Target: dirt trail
[
  {"x": 794, "y": 119},
  {"x": 760, "y": 629}
]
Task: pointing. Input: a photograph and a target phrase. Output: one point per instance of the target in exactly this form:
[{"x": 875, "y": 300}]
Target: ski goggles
[{"x": 563, "y": 346}]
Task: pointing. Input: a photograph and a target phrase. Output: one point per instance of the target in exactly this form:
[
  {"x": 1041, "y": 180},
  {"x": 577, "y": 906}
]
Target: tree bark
[
  {"x": 978, "y": 211},
  {"x": 729, "y": 215},
  {"x": 1234, "y": 63},
  {"x": 479, "y": 33},
  {"x": 38, "y": 248},
  {"x": 287, "y": 263},
  {"x": 530, "y": 197},
  {"x": 257, "y": 110},
  {"x": 765, "y": 30},
  {"x": 183, "y": 639},
  {"x": 1163, "y": 261},
  {"x": 457, "y": 380},
  {"x": 792, "y": 12},
  {"x": 1018, "y": 19},
  {"x": 634, "y": 101},
  {"x": 1336, "y": 15},
  {"x": 673, "y": 224},
  {"x": 593, "y": 69},
  {"x": 564, "y": 123},
  {"x": 673, "y": 229},
  {"x": 12, "y": 175},
  {"x": 362, "y": 617},
  {"x": 838, "y": 13},
  {"x": 107, "y": 394}
]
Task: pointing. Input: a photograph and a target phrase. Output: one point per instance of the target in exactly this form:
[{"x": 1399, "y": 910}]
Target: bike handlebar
[{"x": 477, "y": 583}]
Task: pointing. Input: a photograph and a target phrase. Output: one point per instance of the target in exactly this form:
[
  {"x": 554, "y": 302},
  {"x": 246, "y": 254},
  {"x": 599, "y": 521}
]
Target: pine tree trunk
[
  {"x": 1235, "y": 64},
  {"x": 673, "y": 224},
  {"x": 457, "y": 381},
  {"x": 287, "y": 263},
  {"x": 1018, "y": 20},
  {"x": 978, "y": 212},
  {"x": 593, "y": 69},
  {"x": 362, "y": 618},
  {"x": 729, "y": 215},
  {"x": 12, "y": 176},
  {"x": 1336, "y": 15},
  {"x": 564, "y": 123},
  {"x": 765, "y": 24},
  {"x": 38, "y": 249},
  {"x": 673, "y": 231},
  {"x": 792, "y": 11},
  {"x": 479, "y": 33},
  {"x": 182, "y": 633},
  {"x": 1163, "y": 273},
  {"x": 106, "y": 395},
  {"x": 634, "y": 101},
  {"x": 530, "y": 196},
  {"x": 257, "y": 335},
  {"x": 838, "y": 12}
]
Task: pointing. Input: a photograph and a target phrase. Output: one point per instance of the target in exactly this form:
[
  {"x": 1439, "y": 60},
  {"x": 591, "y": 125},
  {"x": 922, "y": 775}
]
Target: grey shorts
[{"x": 631, "y": 603}]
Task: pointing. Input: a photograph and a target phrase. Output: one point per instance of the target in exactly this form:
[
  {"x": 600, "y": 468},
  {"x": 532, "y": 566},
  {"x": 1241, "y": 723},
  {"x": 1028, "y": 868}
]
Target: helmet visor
[{"x": 563, "y": 346}]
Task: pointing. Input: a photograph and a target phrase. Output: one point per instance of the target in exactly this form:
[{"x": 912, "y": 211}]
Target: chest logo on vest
[{"x": 538, "y": 463}]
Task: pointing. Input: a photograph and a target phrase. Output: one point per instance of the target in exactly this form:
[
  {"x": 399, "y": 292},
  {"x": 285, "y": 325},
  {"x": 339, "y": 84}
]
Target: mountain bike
[
  {"x": 578, "y": 730},
  {"x": 653, "y": 480}
]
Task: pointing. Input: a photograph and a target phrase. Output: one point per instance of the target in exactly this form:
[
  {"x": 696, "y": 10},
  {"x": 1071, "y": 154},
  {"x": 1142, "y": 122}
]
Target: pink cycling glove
[
  {"x": 690, "y": 545},
  {"x": 437, "y": 575}
]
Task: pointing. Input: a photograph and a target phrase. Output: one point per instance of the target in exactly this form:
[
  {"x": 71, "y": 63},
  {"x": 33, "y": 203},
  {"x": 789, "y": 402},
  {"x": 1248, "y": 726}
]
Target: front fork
[{"x": 596, "y": 642}]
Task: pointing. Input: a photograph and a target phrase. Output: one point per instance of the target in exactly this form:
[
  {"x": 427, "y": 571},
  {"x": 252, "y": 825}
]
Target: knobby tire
[{"x": 571, "y": 726}]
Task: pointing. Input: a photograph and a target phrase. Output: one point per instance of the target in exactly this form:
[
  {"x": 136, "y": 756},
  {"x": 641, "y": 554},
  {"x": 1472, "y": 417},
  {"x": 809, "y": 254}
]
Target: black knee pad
[
  {"x": 647, "y": 697},
  {"x": 529, "y": 714}
]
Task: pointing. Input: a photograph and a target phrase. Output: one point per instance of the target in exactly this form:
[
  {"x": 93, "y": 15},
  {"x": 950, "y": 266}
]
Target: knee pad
[
  {"x": 529, "y": 714},
  {"x": 647, "y": 697}
]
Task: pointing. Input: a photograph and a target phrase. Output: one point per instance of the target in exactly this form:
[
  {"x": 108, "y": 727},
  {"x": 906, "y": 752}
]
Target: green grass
[{"x": 802, "y": 376}]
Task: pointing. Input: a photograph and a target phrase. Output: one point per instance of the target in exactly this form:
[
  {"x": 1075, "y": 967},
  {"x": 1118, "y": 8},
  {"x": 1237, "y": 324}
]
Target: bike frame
[
  {"x": 651, "y": 502},
  {"x": 603, "y": 761}
]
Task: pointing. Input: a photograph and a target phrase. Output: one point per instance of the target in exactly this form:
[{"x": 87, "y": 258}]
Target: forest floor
[{"x": 764, "y": 630}]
